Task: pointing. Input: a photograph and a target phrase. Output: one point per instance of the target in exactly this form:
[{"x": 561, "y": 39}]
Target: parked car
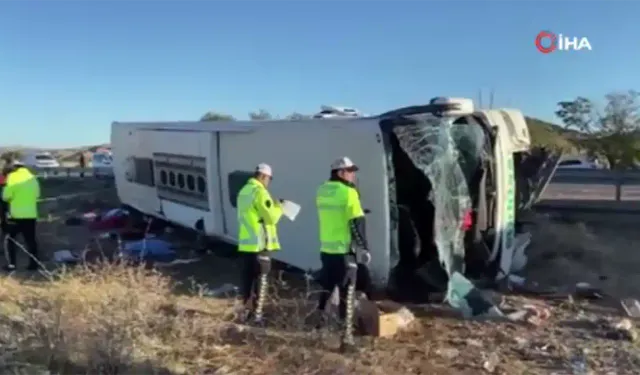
[
  {"x": 40, "y": 159},
  {"x": 577, "y": 164},
  {"x": 331, "y": 111},
  {"x": 102, "y": 163}
]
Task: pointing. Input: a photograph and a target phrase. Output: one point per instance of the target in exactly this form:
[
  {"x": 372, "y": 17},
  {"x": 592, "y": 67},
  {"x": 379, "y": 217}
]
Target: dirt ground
[
  {"x": 602, "y": 253},
  {"x": 578, "y": 335}
]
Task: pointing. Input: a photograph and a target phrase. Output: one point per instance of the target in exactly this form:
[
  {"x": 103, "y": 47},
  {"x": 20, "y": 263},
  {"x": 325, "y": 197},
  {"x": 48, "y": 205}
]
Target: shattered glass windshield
[
  {"x": 469, "y": 140},
  {"x": 433, "y": 145}
]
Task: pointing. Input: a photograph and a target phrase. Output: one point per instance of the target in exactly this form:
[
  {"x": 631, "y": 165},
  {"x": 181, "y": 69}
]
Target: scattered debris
[
  {"x": 448, "y": 353},
  {"x": 381, "y": 319},
  {"x": 474, "y": 342},
  {"x": 95, "y": 220},
  {"x": 65, "y": 257},
  {"x": 521, "y": 341},
  {"x": 224, "y": 291},
  {"x": 631, "y": 307},
  {"x": 89, "y": 216},
  {"x": 579, "y": 363},
  {"x": 623, "y": 330},
  {"x": 531, "y": 314},
  {"x": 149, "y": 249},
  {"x": 111, "y": 220},
  {"x": 389, "y": 323},
  {"x": 464, "y": 296},
  {"x": 490, "y": 364}
]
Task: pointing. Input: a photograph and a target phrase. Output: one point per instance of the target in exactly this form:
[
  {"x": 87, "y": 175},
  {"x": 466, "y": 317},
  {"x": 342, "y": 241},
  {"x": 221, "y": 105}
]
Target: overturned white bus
[{"x": 443, "y": 183}]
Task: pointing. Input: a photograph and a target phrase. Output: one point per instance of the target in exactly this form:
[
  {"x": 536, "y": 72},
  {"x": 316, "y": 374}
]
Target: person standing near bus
[
  {"x": 83, "y": 163},
  {"x": 343, "y": 243},
  {"x": 258, "y": 215},
  {"x": 21, "y": 194}
]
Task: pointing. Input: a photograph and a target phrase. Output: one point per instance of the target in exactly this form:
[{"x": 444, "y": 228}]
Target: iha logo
[{"x": 547, "y": 42}]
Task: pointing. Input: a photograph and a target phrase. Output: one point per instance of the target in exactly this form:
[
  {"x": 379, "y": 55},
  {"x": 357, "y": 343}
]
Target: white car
[
  {"x": 576, "y": 164},
  {"x": 102, "y": 163},
  {"x": 40, "y": 160},
  {"x": 330, "y": 111}
]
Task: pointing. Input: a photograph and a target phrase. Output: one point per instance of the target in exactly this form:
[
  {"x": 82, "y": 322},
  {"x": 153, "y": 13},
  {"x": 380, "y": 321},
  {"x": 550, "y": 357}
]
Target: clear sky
[{"x": 70, "y": 68}]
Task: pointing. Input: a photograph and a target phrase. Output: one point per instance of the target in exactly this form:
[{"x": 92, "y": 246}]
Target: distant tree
[
  {"x": 297, "y": 116},
  {"x": 613, "y": 132},
  {"x": 261, "y": 114},
  {"x": 216, "y": 116},
  {"x": 577, "y": 114}
]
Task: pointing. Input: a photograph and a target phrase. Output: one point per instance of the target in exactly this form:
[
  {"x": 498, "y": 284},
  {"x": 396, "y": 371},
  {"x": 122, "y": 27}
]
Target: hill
[{"x": 551, "y": 135}]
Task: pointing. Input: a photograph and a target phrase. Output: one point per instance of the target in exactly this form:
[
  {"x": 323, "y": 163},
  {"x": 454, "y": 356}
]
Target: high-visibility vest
[
  {"x": 21, "y": 192},
  {"x": 337, "y": 204},
  {"x": 258, "y": 215}
]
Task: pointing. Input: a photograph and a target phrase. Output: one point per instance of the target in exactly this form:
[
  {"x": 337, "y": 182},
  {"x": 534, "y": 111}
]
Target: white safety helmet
[
  {"x": 344, "y": 163},
  {"x": 265, "y": 169}
]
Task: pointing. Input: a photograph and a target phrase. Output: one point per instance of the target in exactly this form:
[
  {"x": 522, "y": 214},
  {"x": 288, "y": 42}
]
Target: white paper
[{"x": 290, "y": 209}]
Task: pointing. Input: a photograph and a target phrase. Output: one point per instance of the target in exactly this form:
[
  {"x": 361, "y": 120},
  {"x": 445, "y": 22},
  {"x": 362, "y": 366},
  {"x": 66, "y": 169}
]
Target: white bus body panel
[
  {"x": 300, "y": 154},
  {"x": 142, "y": 142}
]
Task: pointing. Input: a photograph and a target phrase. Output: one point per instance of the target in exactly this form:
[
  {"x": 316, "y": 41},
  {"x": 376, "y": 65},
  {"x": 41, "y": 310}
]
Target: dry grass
[
  {"x": 130, "y": 320},
  {"x": 604, "y": 255},
  {"x": 118, "y": 319}
]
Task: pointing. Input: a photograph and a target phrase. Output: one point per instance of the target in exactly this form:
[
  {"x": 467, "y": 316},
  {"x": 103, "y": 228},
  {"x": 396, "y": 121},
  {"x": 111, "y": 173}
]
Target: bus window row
[{"x": 183, "y": 181}]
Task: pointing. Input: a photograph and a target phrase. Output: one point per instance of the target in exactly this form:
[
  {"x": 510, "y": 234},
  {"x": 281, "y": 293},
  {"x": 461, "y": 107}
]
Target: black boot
[
  {"x": 347, "y": 347},
  {"x": 317, "y": 319},
  {"x": 9, "y": 268}
]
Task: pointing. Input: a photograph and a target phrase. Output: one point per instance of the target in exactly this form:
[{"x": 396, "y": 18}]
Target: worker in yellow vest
[
  {"x": 258, "y": 215},
  {"x": 21, "y": 193},
  {"x": 342, "y": 240}
]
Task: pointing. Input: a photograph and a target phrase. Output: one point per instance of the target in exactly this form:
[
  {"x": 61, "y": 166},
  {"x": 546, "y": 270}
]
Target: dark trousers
[
  {"x": 252, "y": 269},
  {"x": 334, "y": 274},
  {"x": 27, "y": 228}
]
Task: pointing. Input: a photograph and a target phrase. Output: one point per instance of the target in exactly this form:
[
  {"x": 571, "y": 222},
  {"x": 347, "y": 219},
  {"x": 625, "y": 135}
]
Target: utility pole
[{"x": 491, "y": 99}]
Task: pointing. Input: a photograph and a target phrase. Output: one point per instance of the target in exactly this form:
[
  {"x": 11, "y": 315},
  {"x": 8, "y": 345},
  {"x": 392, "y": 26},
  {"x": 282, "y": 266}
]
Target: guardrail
[
  {"x": 69, "y": 172},
  {"x": 592, "y": 191},
  {"x": 617, "y": 180}
]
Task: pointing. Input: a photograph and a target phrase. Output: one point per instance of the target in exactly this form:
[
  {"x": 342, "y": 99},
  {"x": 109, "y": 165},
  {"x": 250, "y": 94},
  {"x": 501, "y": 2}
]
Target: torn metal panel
[
  {"x": 534, "y": 171},
  {"x": 429, "y": 143}
]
